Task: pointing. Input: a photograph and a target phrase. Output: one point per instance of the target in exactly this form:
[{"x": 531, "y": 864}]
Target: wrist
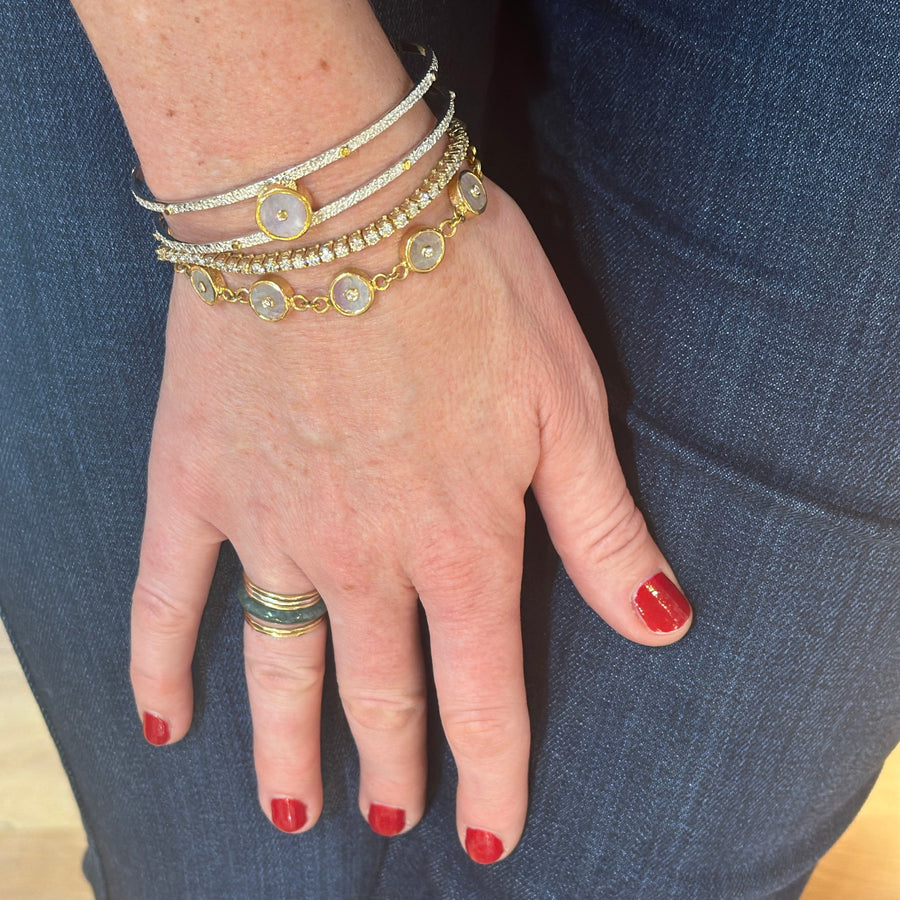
[{"x": 206, "y": 96}]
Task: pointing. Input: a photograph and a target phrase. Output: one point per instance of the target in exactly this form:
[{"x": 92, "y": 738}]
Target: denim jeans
[{"x": 717, "y": 186}]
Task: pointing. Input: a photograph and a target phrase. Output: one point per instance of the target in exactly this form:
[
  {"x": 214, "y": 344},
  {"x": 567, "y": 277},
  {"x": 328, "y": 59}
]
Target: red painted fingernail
[
  {"x": 483, "y": 846},
  {"x": 156, "y": 730},
  {"x": 288, "y": 815},
  {"x": 386, "y": 820},
  {"x": 661, "y": 605}
]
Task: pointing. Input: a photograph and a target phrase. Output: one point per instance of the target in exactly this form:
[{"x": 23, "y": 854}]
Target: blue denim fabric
[{"x": 718, "y": 186}]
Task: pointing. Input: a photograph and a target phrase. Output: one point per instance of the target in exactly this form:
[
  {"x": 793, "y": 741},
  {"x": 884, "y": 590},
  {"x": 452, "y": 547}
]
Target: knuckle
[
  {"x": 455, "y": 564},
  {"x": 617, "y": 534},
  {"x": 451, "y": 570},
  {"x": 157, "y": 610},
  {"x": 374, "y": 712},
  {"x": 186, "y": 475},
  {"x": 351, "y": 577},
  {"x": 478, "y": 734},
  {"x": 280, "y": 679}
]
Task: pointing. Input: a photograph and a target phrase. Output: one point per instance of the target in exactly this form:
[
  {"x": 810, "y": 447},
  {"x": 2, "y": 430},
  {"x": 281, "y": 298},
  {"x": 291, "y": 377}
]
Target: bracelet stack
[{"x": 284, "y": 212}]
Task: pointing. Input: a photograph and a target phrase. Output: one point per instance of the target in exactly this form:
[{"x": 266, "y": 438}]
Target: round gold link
[{"x": 382, "y": 282}]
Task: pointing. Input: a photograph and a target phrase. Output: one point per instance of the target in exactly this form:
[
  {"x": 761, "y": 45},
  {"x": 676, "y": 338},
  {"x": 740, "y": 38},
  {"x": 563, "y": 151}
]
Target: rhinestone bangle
[
  {"x": 352, "y": 291},
  {"x": 339, "y": 151},
  {"x": 284, "y": 202},
  {"x": 367, "y": 236}
]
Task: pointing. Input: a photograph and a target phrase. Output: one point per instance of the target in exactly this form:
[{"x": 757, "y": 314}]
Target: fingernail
[
  {"x": 483, "y": 846},
  {"x": 288, "y": 815},
  {"x": 386, "y": 820},
  {"x": 156, "y": 729},
  {"x": 661, "y": 605}
]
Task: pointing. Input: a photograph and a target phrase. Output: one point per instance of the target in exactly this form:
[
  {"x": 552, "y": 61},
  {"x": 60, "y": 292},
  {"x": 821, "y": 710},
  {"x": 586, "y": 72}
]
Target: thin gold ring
[{"x": 281, "y": 601}]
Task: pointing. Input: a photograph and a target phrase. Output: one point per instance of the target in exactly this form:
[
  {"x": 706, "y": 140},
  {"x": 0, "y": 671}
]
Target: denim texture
[{"x": 717, "y": 186}]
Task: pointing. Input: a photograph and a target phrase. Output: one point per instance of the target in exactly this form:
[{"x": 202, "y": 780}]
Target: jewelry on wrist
[
  {"x": 339, "y": 151},
  {"x": 352, "y": 291},
  {"x": 280, "y": 203},
  {"x": 367, "y": 236}
]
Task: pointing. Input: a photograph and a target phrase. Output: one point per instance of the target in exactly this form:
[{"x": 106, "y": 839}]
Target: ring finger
[{"x": 284, "y": 684}]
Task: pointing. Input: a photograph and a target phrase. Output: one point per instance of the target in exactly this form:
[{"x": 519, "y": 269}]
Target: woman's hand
[{"x": 382, "y": 460}]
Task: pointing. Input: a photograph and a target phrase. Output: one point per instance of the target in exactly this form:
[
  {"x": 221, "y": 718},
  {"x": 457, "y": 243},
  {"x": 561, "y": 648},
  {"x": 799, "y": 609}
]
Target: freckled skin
[{"x": 248, "y": 90}]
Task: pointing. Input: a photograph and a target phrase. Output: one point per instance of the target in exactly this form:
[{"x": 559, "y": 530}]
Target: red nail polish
[
  {"x": 288, "y": 815},
  {"x": 483, "y": 846},
  {"x": 156, "y": 730},
  {"x": 386, "y": 820},
  {"x": 661, "y": 605}
]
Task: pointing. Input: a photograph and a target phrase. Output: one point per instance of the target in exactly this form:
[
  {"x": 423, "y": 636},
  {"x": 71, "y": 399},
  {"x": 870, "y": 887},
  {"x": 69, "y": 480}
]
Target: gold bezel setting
[
  {"x": 290, "y": 197},
  {"x": 269, "y": 298},
  {"x": 207, "y": 283},
  {"x": 467, "y": 194},
  {"x": 352, "y": 292},
  {"x": 423, "y": 249}
]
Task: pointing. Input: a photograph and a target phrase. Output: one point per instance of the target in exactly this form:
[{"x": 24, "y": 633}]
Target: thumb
[{"x": 594, "y": 524}]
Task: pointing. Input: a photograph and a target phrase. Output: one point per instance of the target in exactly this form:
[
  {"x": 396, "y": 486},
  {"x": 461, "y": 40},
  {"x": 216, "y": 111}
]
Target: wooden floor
[{"x": 41, "y": 840}]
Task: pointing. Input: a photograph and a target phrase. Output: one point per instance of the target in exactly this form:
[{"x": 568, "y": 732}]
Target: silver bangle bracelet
[
  {"x": 338, "y": 247},
  {"x": 339, "y": 151},
  {"x": 281, "y": 205}
]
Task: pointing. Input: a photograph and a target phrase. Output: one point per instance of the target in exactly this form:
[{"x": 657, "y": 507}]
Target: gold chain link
[
  {"x": 300, "y": 302},
  {"x": 382, "y": 282}
]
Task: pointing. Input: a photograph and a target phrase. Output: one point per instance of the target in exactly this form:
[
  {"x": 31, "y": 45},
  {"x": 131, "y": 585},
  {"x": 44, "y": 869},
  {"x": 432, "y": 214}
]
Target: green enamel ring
[{"x": 265, "y": 613}]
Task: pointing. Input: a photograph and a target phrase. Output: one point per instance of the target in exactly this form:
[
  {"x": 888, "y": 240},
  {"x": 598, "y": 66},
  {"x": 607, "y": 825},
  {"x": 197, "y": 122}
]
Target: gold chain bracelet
[{"x": 352, "y": 291}]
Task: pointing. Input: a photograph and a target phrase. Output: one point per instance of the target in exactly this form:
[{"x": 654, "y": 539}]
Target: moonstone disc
[
  {"x": 469, "y": 196},
  {"x": 204, "y": 284},
  {"x": 268, "y": 300},
  {"x": 352, "y": 293},
  {"x": 283, "y": 214},
  {"x": 424, "y": 249}
]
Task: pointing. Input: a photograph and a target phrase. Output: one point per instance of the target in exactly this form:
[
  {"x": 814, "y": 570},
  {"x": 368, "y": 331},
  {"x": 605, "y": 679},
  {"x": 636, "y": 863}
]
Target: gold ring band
[{"x": 281, "y": 601}]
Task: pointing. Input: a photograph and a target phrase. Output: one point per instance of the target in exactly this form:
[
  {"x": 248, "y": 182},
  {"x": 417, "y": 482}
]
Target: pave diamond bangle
[
  {"x": 336, "y": 248},
  {"x": 284, "y": 201},
  {"x": 352, "y": 291},
  {"x": 339, "y": 151}
]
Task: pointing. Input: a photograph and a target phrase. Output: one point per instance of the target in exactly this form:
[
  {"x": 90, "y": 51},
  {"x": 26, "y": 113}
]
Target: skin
[{"x": 379, "y": 459}]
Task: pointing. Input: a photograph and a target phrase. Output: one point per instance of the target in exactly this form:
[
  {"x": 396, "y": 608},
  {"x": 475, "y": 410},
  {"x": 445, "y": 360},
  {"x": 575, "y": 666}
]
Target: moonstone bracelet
[
  {"x": 352, "y": 291},
  {"x": 339, "y": 151},
  {"x": 336, "y": 248},
  {"x": 284, "y": 213}
]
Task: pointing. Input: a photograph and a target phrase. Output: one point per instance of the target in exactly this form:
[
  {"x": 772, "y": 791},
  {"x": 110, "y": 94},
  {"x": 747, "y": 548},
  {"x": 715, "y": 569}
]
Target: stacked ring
[{"x": 280, "y": 615}]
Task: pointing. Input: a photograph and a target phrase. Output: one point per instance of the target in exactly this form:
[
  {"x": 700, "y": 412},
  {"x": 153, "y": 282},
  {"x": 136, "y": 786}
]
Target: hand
[{"x": 380, "y": 460}]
